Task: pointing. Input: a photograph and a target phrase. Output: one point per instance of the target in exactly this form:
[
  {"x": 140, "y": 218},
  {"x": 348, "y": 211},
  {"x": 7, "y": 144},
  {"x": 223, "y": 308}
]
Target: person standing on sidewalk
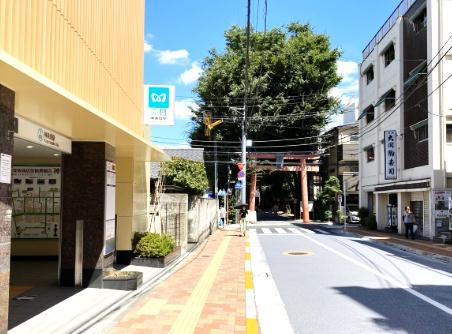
[
  {"x": 409, "y": 220},
  {"x": 222, "y": 214},
  {"x": 242, "y": 215}
]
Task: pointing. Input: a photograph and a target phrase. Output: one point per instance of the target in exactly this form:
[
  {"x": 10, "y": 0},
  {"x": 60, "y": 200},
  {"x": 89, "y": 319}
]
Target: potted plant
[
  {"x": 122, "y": 280},
  {"x": 155, "y": 250}
]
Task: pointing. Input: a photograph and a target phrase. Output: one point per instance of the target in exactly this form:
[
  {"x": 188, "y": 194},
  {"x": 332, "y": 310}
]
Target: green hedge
[{"x": 154, "y": 245}]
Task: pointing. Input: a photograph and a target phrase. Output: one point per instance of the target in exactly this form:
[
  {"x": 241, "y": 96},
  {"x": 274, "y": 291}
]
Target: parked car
[{"x": 352, "y": 215}]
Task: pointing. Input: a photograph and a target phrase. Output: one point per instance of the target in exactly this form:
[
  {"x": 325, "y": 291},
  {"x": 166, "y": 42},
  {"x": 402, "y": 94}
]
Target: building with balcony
[
  {"x": 75, "y": 154},
  {"x": 405, "y": 111}
]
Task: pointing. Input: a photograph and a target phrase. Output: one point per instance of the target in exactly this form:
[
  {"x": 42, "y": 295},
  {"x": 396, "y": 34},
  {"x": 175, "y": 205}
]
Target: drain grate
[{"x": 298, "y": 253}]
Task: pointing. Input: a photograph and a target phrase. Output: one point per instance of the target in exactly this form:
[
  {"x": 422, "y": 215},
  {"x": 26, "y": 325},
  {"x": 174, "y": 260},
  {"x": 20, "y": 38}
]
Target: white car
[{"x": 352, "y": 215}]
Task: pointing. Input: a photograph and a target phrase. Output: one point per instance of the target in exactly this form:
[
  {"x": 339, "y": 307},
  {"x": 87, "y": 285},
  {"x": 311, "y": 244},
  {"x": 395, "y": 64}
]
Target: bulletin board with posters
[
  {"x": 36, "y": 202},
  {"x": 442, "y": 210}
]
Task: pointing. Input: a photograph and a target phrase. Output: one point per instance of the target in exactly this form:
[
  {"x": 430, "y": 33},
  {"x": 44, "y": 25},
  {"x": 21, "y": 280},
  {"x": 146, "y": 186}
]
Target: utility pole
[{"x": 247, "y": 61}]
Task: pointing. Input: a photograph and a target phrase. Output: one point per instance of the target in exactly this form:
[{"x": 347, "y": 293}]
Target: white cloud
[
  {"x": 348, "y": 70},
  {"x": 169, "y": 57},
  {"x": 147, "y": 47},
  {"x": 183, "y": 108},
  {"x": 191, "y": 75}
]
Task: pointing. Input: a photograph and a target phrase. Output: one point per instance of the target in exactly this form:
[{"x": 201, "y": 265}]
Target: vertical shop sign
[
  {"x": 5, "y": 168},
  {"x": 390, "y": 142},
  {"x": 159, "y": 105}
]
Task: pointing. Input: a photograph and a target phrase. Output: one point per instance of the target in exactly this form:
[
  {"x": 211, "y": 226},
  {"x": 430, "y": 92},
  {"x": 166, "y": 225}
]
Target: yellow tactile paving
[{"x": 188, "y": 318}]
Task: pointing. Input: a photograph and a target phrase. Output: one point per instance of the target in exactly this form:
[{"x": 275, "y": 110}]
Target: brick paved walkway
[{"x": 206, "y": 295}]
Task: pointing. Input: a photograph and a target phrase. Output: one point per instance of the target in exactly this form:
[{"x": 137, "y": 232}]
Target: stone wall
[{"x": 202, "y": 218}]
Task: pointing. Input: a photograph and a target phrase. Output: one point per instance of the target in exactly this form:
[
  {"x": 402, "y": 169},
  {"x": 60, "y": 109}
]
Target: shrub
[
  {"x": 155, "y": 245},
  {"x": 187, "y": 174},
  {"x": 371, "y": 222},
  {"x": 363, "y": 214},
  {"x": 328, "y": 215},
  {"x": 340, "y": 216}
]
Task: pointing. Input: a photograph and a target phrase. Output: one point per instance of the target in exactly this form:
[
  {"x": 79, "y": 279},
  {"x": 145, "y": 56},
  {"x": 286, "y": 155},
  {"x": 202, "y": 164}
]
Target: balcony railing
[{"x": 401, "y": 9}]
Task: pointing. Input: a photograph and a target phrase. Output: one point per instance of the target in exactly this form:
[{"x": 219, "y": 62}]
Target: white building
[{"x": 406, "y": 92}]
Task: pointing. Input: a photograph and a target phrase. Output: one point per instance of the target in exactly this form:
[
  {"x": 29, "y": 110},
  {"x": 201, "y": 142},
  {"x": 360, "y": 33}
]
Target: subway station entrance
[{"x": 35, "y": 220}]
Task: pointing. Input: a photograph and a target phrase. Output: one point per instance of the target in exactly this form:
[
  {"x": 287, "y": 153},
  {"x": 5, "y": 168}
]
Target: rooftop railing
[{"x": 401, "y": 9}]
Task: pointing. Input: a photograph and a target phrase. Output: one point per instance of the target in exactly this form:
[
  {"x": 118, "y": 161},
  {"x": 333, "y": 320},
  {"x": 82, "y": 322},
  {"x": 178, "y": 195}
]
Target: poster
[
  {"x": 442, "y": 210},
  {"x": 5, "y": 168},
  {"x": 110, "y": 208},
  {"x": 36, "y": 202}
]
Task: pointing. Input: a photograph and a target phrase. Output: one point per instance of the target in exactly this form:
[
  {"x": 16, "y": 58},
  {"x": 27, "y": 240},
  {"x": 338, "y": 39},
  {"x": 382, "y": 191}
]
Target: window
[
  {"x": 389, "y": 54},
  {"x": 389, "y": 100},
  {"x": 420, "y": 21},
  {"x": 421, "y": 133},
  {"x": 354, "y": 137},
  {"x": 370, "y": 115},
  {"x": 449, "y": 133},
  {"x": 370, "y": 153},
  {"x": 369, "y": 73}
]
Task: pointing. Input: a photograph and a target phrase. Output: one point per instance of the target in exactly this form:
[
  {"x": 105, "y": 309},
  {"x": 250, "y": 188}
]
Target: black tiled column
[
  {"x": 6, "y": 147},
  {"x": 83, "y": 193}
]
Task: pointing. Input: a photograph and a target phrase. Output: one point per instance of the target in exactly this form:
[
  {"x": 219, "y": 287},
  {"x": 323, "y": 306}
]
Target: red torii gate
[{"x": 303, "y": 168}]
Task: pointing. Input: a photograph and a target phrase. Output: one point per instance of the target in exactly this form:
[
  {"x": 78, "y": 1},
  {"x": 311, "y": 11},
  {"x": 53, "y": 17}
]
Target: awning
[
  {"x": 365, "y": 111},
  {"x": 418, "y": 125},
  {"x": 420, "y": 69},
  {"x": 383, "y": 98}
]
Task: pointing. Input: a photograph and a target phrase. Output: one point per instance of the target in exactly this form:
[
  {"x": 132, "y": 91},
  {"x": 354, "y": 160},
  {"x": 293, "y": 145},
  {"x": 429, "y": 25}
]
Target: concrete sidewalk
[
  {"x": 426, "y": 247},
  {"x": 205, "y": 295},
  {"x": 203, "y": 291}
]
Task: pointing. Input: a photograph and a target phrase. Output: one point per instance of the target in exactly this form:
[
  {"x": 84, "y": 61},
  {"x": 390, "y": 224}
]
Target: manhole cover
[{"x": 298, "y": 253}]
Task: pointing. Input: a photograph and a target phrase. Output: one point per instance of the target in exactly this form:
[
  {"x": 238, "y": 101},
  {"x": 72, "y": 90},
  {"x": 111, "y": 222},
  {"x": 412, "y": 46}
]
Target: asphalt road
[{"x": 348, "y": 284}]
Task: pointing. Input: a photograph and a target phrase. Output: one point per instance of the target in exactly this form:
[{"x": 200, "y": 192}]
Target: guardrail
[{"x": 401, "y": 9}]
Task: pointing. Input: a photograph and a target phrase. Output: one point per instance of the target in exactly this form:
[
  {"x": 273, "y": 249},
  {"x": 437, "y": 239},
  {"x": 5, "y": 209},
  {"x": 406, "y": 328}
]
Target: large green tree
[{"x": 291, "y": 71}]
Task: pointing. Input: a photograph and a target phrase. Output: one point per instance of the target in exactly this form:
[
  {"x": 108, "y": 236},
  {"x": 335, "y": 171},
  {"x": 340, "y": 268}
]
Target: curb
[
  {"x": 122, "y": 301},
  {"x": 405, "y": 248},
  {"x": 252, "y": 326}
]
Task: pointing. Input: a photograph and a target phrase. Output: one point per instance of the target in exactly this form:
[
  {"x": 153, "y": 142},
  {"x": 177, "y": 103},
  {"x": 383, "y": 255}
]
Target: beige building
[{"x": 74, "y": 149}]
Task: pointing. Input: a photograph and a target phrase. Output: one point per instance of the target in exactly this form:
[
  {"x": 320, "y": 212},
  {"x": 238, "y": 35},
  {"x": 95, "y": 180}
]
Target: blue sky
[{"x": 178, "y": 35}]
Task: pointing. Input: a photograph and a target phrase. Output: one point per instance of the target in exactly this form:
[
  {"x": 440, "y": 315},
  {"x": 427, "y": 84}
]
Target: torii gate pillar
[
  {"x": 304, "y": 191},
  {"x": 252, "y": 197}
]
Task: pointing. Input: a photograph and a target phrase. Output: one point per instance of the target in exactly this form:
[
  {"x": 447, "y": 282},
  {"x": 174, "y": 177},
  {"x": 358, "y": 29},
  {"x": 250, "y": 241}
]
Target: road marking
[
  {"x": 266, "y": 230},
  {"x": 321, "y": 231},
  {"x": 271, "y": 310},
  {"x": 295, "y": 230},
  {"x": 280, "y": 230},
  {"x": 389, "y": 279},
  {"x": 306, "y": 230},
  {"x": 252, "y": 326}
]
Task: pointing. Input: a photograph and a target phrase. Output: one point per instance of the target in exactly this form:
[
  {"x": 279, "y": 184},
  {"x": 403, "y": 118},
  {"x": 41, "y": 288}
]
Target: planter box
[
  {"x": 129, "y": 282},
  {"x": 157, "y": 262}
]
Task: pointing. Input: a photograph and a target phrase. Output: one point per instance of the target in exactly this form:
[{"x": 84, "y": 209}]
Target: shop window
[
  {"x": 389, "y": 55},
  {"x": 369, "y": 74},
  {"x": 370, "y": 153},
  {"x": 389, "y": 100},
  {"x": 449, "y": 133},
  {"x": 420, "y": 21}
]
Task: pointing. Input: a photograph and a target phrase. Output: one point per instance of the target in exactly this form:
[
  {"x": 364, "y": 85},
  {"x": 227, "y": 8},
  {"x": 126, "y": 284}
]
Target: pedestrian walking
[
  {"x": 222, "y": 214},
  {"x": 242, "y": 215},
  {"x": 409, "y": 220}
]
